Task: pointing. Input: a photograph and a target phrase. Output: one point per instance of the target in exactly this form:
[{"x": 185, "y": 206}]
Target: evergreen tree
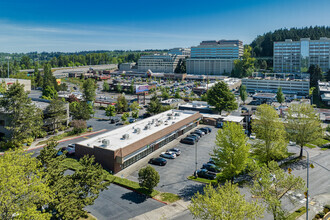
[
  {"x": 89, "y": 88},
  {"x": 242, "y": 93},
  {"x": 245, "y": 66},
  {"x": 56, "y": 113},
  {"x": 279, "y": 96},
  {"x": 26, "y": 118},
  {"x": 315, "y": 75}
]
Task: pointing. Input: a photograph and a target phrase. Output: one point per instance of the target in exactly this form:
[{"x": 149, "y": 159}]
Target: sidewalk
[
  {"x": 34, "y": 145},
  {"x": 165, "y": 212}
]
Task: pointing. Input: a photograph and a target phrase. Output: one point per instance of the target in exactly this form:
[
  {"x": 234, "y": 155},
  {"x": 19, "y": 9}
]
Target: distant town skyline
[{"x": 69, "y": 26}]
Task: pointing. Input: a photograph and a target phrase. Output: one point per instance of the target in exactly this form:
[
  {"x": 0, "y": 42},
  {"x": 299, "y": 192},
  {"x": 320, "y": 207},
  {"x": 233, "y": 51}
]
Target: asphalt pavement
[{"x": 121, "y": 204}]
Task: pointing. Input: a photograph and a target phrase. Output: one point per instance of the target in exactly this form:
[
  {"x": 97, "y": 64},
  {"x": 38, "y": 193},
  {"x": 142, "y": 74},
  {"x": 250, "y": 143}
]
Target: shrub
[
  {"x": 148, "y": 178},
  {"x": 79, "y": 126},
  {"x": 326, "y": 209}
]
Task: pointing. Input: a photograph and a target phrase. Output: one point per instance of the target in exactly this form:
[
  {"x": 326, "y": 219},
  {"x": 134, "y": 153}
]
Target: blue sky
[{"x": 71, "y": 26}]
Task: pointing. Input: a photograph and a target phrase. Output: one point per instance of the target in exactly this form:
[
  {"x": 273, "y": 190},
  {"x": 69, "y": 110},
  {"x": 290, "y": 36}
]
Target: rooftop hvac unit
[
  {"x": 169, "y": 114},
  {"x": 166, "y": 123},
  {"x": 147, "y": 127},
  {"x": 170, "y": 117},
  {"x": 125, "y": 136},
  {"x": 153, "y": 121},
  {"x": 106, "y": 142},
  {"x": 137, "y": 130},
  {"x": 177, "y": 114}
]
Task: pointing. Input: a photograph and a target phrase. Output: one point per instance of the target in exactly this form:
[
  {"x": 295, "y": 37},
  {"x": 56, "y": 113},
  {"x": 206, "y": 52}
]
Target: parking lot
[{"x": 173, "y": 176}]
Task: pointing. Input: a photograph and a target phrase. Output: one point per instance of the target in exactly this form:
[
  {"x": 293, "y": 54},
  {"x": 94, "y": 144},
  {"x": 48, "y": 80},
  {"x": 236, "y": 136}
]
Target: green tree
[
  {"x": 327, "y": 77},
  {"x": 122, "y": 104},
  {"x": 89, "y": 88},
  {"x": 131, "y": 88},
  {"x": 272, "y": 184},
  {"x": 221, "y": 97},
  {"x": 303, "y": 125},
  {"x": 80, "y": 110},
  {"x": 56, "y": 112},
  {"x": 148, "y": 178},
  {"x": 25, "y": 117},
  {"x": 49, "y": 93},
  {"x": 106, "y": 86},
  {"x": 119, "y": 88},
  {"x": 181, "y": 67},
  {"x": 134, "y": 106},
  {"x": 223, "y": 203},
  {"x": 23, "y": 188},
  {"x": 3, "y": 87},
  {"x": 154, "y": 106},
  {"x": 110, "y": 111},
  {"x": 135, "y": 114},
  {"x": 263, "y": 65},
  {"x": 279, "y": 95},
  {"x": 315, "y": 75},
  {"x": 269, "y": 129},
  {"x": 232, "y": 150},
  {"x": 48, "y": 77},
  {"x": 177, "y": 95},
  {"x": 245, "y": 66},
  {"x": 242, "y": 93},
  {"x": 165, "y": 95},
  {"x": 124, "y": 116},
  {"x": 72, "y": 192}
]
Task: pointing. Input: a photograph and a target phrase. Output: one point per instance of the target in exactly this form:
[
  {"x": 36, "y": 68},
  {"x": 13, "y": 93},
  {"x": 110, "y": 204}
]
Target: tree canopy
[
  {"x": 280, "y": 96},
  {"x": 221, "y": 97},
  {"x": 223, "y": 203},
  {"x": 89, "y": 88},
  {"x": 232, "y": 150},
  {"x": 271, "y": 135},
  {"x": 245, "y": 66}
]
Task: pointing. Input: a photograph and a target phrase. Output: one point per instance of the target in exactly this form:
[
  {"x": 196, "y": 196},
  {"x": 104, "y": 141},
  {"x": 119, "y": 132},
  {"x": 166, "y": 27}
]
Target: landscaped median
[{"x": 164, "y": 197}]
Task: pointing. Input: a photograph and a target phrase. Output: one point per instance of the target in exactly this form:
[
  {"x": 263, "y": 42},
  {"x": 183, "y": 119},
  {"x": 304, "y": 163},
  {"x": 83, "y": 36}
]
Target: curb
[{"x": 63, "y": 140}]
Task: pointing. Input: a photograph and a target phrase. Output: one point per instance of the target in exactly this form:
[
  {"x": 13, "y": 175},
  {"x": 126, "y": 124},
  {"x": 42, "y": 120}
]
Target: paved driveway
[
  {"x": 173, "y": 176},
  {"x": 120, "y": 203}
]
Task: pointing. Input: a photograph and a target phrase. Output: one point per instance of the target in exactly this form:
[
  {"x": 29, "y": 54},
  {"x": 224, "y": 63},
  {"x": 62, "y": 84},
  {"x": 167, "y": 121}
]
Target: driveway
[
  {"x": 173, "y": 176},
  {"x": 120, "y": 203}
]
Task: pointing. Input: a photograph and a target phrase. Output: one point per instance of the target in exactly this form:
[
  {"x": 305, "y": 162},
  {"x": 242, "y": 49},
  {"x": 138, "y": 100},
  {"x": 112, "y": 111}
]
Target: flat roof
[{"x": 116, "y": 137}]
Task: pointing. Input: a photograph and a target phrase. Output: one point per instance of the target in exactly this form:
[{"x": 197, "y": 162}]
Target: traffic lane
[
  {"x": 173, "y": 176},
  {"x": 120, "y": 203}
]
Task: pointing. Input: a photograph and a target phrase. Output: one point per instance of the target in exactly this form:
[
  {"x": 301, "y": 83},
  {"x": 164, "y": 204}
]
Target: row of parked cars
[
  {"x": 70, "y": 150},
  {"x": 194, "y": 136},
  {"x": 169, "y": 154},
  {"x": 209, "y": 170}
]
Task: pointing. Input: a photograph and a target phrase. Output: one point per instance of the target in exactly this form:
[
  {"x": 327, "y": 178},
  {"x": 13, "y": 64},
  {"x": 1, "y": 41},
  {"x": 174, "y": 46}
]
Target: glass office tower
[{"x": 296, "y": 56}]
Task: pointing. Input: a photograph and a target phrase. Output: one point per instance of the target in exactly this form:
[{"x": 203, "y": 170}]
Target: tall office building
[
  {"x": 214, "y": 57},
  {"x": 159, "y": 63},
  {"x": 297, "y": 56}
]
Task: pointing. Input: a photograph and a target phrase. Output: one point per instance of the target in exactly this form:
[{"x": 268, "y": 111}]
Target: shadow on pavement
[
  {"x": 187, "y": 192},
  {"x": 134, "y": 197}
]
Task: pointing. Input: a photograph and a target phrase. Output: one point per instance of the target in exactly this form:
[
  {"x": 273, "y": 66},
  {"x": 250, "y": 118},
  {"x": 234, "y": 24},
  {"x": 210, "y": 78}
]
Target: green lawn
[
  {"x": 320, "y": 142},
  {"x": 202, "y": 180},
  {"x": 310, "y": 146},
  {"x": 73, "y": 164},
  {"x": 299, "y": 212}
]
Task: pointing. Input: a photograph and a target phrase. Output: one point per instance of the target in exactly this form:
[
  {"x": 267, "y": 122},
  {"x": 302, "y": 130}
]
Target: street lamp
[
  {"x": 195, "y": 173},
  {"x": 307, "y": 181}
]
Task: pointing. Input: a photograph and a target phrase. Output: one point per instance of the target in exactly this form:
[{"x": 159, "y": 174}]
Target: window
[{"x": 2, "y": 122}]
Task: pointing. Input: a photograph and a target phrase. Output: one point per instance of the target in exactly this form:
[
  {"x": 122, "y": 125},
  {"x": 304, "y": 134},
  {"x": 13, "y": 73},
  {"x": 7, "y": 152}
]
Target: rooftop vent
[
  {"x": 106, "y": 142},
  {"x": 137, "y": 130},
  {"x": 177, "y": 114},
  {"x": 147, "y": 127},
  {"x": 125, "y": 136}
]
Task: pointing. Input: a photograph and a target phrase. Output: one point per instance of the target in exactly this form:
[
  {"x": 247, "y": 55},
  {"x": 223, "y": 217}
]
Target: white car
[{"x": 169, "y": 155}]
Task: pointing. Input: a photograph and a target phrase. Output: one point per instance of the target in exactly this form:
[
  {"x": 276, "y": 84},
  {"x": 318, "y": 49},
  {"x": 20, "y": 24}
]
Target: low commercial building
[
  {"x": 159, "y": 63},
  {"x": 127, "y": 66},
  {"x": 10, "y": 81},
  {"x": 271, "y": 85},
  {"x": 233, "y": 84},
  {"x": 197, "y": 106},
  {"x": 324, "y": 91},
  {"x": 174, "y": 103},
  {"x": 118, "y": 149}
]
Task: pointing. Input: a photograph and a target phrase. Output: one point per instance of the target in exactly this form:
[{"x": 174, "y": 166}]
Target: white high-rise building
[{"x": 296, "y": 56}]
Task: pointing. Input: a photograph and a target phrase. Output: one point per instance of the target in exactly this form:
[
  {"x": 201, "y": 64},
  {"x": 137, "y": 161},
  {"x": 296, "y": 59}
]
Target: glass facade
[
  {"x": 304, "y": 56},
  {"x": 143, "y": 152}
]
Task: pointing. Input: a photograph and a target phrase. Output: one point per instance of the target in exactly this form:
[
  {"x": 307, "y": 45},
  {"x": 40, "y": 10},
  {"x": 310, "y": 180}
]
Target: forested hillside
[{"x": 263, "y": 44}]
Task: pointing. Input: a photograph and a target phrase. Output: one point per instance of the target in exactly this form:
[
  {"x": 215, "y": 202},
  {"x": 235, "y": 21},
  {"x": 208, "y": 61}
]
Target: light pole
[{"x": 195, "y": 173}]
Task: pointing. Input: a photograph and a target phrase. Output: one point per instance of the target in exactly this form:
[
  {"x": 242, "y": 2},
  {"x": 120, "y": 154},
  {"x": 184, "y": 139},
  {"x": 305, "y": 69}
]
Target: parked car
[
  {"x": 205, "y": 130},
  {"x": 188, "y": 140},
  {"x": 211, "y": 167},
  {"x": 244, "y": 108},
  {"x": 195, "y": 137},
  {"x": 66, "y": 150},
  {"x": 158, "y": 161},
  {"x": 169, "y": 155},
  {"x": 72, "y": 146},
  {"x": 132, "y": 120},
  {"x": 113, "y": 121},
  {"x": 177, "y": 151},
  {"x": 200, "y": 134},
  {"x": 203, "y": 173}
]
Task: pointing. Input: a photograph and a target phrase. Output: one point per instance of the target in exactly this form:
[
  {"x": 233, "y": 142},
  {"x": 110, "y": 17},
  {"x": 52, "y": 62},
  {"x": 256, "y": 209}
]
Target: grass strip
[
  {"x": 299, "y": 212},
  {"x": 202, "y": 180}
]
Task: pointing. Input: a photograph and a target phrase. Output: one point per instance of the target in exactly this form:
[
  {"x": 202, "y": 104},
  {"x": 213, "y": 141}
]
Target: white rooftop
[{"x": 116, "y": 139}]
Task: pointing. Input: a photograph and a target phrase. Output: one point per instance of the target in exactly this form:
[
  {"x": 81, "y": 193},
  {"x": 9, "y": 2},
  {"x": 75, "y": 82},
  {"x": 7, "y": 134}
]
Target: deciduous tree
[
  {"x": 89, "y": 88},
  {"x": 121, "y": 105},
  {"x": 223, "y": 203},
  {"x": 110, "y": 111},
  {"x": 303, "y": 125},
  {"x": 221, "y": 97},
  {"x": 269, "y": 129},
  {"x": 23, "y": 188},
  {"x": 232, "y": 150},
  {"x": 272, "y": 184},
  {"x": 148, "y": 178}
]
